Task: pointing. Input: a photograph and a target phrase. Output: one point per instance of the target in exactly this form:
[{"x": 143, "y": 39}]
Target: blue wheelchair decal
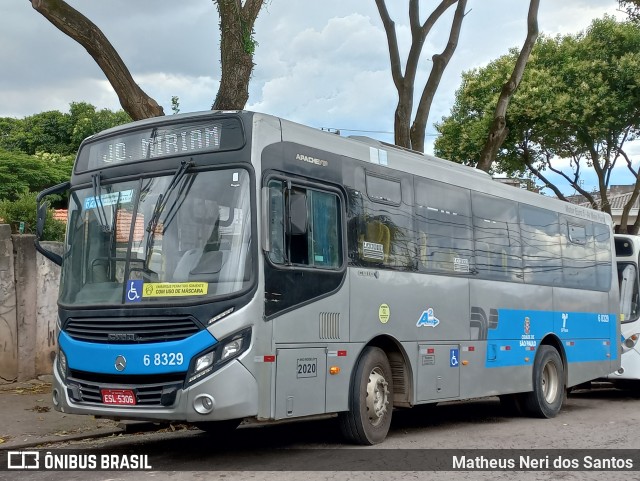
[
  {"x": 454, "y": 355},
  {"x": 134, "y": 290}
]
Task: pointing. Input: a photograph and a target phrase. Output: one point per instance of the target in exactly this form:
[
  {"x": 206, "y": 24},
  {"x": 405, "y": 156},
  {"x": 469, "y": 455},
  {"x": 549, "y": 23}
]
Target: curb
[
  {"x": 132, "y": 427},
  {"x": 53, "y": 439}
]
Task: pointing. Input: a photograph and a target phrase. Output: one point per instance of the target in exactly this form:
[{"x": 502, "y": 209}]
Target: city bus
[
  {"x": 627, "y": 252},
  {"x": 226, "y": 266}
]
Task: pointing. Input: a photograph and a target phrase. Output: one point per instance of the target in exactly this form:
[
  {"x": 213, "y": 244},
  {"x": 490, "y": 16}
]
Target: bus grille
[
  {"x": 131, "y": 330},
  {"x": 160, "y": 392}
]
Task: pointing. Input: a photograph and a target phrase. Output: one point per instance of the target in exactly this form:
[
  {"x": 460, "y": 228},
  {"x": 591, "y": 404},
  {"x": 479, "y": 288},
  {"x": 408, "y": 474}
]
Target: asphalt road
[{"x": 603, "y": 421}]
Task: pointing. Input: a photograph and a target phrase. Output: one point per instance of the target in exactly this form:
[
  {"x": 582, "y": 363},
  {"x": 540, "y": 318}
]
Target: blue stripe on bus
[
  {"x": 585, "y": 336},
  {"x": 156, "y": 358}
]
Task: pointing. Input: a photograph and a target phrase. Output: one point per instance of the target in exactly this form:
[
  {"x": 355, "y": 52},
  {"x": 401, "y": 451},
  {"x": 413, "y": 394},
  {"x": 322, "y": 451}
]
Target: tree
[
  {"x": 237, "y": 47},
  {"x": 56, "y": 132},
  {"x": 86, "y": 120},
  {"x": 499, "y": 128},
  {"x": 632, "y": 8},
  {"x": 578, "y": 104},
  {"x": 46, "y": 131},
  {"x": 24, "y": 209},
  {"x": 407, "y": 134},
  {"x": 20, "y": 173}
]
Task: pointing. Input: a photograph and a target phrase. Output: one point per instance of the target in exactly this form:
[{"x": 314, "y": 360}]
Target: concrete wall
[
  {"x": 48, "y": 282},
  {"x": 8, "y": 321},
  {"x": 28, "y": 307}
]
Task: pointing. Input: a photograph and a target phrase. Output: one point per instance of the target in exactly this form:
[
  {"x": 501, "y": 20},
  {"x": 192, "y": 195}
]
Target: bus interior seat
[{"x": 202, "y": 264}]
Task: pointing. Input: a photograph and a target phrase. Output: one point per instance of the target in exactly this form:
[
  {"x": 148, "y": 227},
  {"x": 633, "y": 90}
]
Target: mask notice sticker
[{"x": 174, "y": 289}]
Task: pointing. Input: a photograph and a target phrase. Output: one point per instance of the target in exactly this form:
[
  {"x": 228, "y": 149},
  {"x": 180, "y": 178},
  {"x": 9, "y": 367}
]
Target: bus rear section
[{"x": 627, "y": 255}]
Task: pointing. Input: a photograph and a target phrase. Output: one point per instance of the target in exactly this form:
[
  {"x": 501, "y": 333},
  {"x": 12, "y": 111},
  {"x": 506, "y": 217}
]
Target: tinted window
[
  {"x": 602, "y": 235},
  {"x": 497, "y": 238},
  {"x": 578, "y": 253},
  {"x": 444, "y": 227},
  {"x": 541, "y": 256},
  {"x": 305, "y": 244},
  {"x": 310, "y": 235},
  {"x": 382, "y": 189},
  {"x": 624, "y": 247},
  {"x": 382, "y": 232}
]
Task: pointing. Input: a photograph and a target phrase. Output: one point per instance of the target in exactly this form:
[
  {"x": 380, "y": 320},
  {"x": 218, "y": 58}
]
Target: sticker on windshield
[
  {"x": 134, "y": 290},
  {"x": 175, "y": 289},
  {"x": 123, "y": 197}
]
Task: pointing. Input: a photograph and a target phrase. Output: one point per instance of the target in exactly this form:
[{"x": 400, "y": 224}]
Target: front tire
[
  {"x": 548, "y": 392},
  {"x": 371, "y": 399}
]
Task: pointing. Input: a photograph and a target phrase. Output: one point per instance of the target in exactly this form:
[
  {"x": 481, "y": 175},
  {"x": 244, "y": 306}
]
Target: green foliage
[
  {"x": 85, "y": 120},
  {"x": 56, "y": 132},
  {"x": 20, "y": 172},
  {"x": 23, "y": 209},
  {"x": 37, "y": 152},
  {"x": 579, "y": 99},
  {"x": 175, "y": 104}
]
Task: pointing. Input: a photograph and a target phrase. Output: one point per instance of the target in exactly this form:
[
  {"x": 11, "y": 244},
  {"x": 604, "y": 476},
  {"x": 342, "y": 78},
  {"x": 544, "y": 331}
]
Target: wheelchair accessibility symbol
[
  {"x": 453, "y": 357},
  {"x": 134, "y": 290}
]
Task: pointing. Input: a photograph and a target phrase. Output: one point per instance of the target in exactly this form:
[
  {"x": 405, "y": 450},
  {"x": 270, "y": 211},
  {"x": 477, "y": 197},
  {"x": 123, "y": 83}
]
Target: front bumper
[{"x": 229, "y": 393}]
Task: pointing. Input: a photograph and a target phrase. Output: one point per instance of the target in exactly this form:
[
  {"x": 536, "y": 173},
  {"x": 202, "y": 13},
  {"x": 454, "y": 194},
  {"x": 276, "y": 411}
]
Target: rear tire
[
  {"x": 548, "y": 392},
  {"x": 371, "y": 400}
]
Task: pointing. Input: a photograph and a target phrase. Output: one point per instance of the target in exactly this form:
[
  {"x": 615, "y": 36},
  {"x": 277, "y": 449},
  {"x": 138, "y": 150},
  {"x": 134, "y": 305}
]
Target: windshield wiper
[
  {"x": 101, "y": 214},
  {"x": 163, "y": 200}
]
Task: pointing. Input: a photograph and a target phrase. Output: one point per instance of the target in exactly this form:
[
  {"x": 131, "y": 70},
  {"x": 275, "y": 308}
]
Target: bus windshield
[{"x": 177, "y": 237}]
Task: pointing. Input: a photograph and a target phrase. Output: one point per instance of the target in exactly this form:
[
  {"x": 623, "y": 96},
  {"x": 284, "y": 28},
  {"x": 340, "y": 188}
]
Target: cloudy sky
[{"x": 323, "y": 63}]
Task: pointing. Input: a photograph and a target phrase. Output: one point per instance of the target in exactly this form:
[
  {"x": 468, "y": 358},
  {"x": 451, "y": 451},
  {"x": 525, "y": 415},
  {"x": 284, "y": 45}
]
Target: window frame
[{"x": 296, "y": 182}]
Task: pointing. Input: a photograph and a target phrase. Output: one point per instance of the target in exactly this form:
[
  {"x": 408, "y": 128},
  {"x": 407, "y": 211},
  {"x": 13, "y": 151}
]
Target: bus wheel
[
  {"x": 370, "y": 401},
  {"x": 548, "y": 392}
]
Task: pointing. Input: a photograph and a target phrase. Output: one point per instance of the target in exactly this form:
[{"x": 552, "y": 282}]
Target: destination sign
[{"x": 160, "y": 141}]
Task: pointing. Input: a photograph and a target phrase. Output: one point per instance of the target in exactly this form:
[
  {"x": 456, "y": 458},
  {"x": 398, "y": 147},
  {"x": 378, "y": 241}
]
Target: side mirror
[
  {"x": 41, "y": 219},
  {"x": 42, "y": 207}
]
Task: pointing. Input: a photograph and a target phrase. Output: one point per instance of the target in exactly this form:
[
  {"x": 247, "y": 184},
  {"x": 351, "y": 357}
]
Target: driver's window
[{"x": 304, "y": 226}]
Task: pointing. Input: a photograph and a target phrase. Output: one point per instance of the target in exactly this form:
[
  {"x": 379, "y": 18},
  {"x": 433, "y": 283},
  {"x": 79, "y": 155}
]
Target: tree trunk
[
  {"x": 237, "y": 48},
  {"x": 133, "y": 99},
  {"x": 405, "y": 83},
  {"x": 499, "y": 130},
  {"x": 402, "y": 116},
  {"x": 440, "y": 62}
]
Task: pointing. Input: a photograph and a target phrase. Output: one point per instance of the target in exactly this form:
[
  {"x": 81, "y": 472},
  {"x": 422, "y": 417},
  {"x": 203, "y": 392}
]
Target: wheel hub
[
  {"x": 377, "y": 397},
  {"x": 550, "y": 382}
]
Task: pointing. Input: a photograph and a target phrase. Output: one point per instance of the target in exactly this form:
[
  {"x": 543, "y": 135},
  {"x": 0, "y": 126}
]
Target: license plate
[{"x": 118, "y": 396}]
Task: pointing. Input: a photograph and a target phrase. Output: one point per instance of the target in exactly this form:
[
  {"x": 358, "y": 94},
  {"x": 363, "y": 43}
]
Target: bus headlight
[
  {"x": 231, "y": 349},
  {"x": 62, "y": 364},
  {"x": 204, "y": 362},
  {"x": 227, "y": 349}
]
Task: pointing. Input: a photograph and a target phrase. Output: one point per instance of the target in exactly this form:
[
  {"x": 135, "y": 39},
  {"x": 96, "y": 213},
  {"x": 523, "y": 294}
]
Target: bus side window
[
  {"x": 304, "y": 226},
  {"x": 298, "y": 234},
  {"x": 276, "y": 222},
  {"x": 423, "y": 249},
  {"x": 375, "y": 242}
]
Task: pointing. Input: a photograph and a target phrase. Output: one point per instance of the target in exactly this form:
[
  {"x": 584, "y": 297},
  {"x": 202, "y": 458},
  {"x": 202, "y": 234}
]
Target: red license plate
[{"x": 118, "y": 396}]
